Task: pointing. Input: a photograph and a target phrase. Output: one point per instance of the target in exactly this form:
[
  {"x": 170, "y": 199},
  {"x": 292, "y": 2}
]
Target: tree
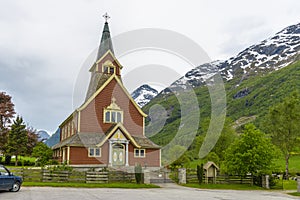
[
  {"x": 33, "y": 139},
  {"x": 6, "y": 109},
  {"x": 283, "y": 126},
  {"x": 6, "y": 114},
  {"x": 17, "y": 139},
  {"x": 252, "y": 153},
  {"x": 43, "y": 153}
]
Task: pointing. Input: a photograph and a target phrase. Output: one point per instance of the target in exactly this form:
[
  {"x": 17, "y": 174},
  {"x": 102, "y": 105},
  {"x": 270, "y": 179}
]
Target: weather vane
[{"x": 106, "y": 17}]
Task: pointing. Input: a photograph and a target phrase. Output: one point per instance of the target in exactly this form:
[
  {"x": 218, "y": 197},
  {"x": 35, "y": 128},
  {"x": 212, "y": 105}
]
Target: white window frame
[
  {"x": 139, "y": 153},
  {"x": 94, "y": 154},
  {"x": 110, "y": 116}
]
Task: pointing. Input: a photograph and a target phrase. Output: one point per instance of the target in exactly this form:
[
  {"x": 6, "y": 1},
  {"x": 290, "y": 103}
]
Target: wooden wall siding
[
  {"x": 151, "y": 159},
  {"x": 79, "y": 155},
  {"x": 92, "y": 116},
  {"x": 70, "y": 129}
]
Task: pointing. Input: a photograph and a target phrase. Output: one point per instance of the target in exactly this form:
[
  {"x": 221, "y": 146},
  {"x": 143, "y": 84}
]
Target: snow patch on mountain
[
  {"x": 269, "y": 55},
  {"x": 143, "y": 94}
]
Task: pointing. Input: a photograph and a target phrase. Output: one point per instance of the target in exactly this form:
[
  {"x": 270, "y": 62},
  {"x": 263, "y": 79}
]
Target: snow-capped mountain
[
  {"x": 271, "y": 54},
  {"x": 143, "y": 94}
]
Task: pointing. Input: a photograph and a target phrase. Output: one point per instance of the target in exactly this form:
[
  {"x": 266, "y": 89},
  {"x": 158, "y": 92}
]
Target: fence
[
  {"x": 43, "y": 175},
  {"x": 191, "y": 177}
]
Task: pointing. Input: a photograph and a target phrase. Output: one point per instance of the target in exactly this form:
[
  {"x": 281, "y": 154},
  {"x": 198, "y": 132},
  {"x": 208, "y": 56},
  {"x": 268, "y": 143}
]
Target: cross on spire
[{"x": 106, "y": 17}]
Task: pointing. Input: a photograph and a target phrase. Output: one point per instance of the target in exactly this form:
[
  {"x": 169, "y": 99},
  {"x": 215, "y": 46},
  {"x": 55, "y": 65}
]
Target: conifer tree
[{"x": 17, "y": 139}]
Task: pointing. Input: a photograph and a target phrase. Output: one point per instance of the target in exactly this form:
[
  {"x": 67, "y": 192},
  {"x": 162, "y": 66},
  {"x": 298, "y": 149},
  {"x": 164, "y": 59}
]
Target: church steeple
[
  {"x": 105, "y": 43},
  {"x": 106, "y": 65}
]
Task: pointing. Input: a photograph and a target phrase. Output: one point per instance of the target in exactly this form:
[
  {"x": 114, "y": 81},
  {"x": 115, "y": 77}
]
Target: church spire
[{"x": 105, "y": 43}]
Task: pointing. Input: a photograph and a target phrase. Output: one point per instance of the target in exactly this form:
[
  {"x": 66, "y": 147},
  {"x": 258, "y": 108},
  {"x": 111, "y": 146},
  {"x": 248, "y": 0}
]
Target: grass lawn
[
  {"x": 289, "y": 185},
  {"x": 294, "y": 164},
  {"x": 90, "y": 185},
  {"x": 295, "y": 194},
  {"x": 223, "y": 186}
]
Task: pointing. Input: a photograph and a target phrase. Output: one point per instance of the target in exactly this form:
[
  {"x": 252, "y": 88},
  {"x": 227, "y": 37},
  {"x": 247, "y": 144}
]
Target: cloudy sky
[{"x": 44, "y": 44}]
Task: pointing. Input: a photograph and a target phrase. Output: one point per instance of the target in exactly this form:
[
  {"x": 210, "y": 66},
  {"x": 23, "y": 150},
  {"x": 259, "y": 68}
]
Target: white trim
[
  {"x": 68, "y": 155},
  {"x": 143, "y": 125},
  {"x": 126, "y": 154},
  {"x": 159, "y": 157},
  {"x": 78, "y": 121}
]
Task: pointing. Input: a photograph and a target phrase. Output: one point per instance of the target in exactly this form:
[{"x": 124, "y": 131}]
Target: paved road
[{"x": 167, "y": 193}]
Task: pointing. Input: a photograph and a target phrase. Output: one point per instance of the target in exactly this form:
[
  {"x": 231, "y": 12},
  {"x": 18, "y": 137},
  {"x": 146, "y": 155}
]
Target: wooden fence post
[{"x": 298, "y": 181}]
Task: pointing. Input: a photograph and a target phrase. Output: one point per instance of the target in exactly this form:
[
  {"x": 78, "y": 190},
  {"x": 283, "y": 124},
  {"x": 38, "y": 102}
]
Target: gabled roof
[
  {"x": 92, "y": 69},
  {"x": 113, "y": 129},
  {"x": 114, "y": 76}
]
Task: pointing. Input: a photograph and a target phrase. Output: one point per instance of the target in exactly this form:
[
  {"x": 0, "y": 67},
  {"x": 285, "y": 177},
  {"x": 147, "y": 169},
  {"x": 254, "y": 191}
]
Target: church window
[
  {"x": 139, "y": 153},
  {"x": 107, "y": 116},
  {"x": 113, "y": 116},
  {"x": 113, "y": 113},
  {"x": 94, "y": 152}
]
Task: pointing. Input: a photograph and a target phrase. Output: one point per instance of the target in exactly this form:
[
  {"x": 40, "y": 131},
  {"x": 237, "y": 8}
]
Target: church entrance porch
[{"x": 118, "y": 153}]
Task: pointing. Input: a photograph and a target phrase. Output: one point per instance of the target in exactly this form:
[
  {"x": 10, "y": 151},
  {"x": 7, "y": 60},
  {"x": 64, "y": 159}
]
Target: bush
[{"x": 138, "y": 173}]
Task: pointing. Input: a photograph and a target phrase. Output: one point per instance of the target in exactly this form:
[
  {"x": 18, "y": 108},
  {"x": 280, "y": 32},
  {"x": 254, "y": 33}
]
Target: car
[{"x": 8, "y": 181}]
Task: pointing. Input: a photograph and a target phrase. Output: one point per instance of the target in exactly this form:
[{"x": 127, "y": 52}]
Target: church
[{"x": 108, "y": 129}]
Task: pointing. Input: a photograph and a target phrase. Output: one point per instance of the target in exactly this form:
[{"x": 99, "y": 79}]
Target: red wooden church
[{"x": 108, "y": 129}]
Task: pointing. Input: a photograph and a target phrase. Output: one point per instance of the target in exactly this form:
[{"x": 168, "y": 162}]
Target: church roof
[
  {"x": 81, "y": 140},
  {"x": 94, "y": 139},
  {"x": 105, "y": 43},
  {"x": 145, "y": 142},
  {"x": 99, "y": 79}
]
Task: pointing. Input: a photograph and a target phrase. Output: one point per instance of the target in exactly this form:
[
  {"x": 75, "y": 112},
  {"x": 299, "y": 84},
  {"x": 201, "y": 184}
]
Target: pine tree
[{"x": 17, "y": 139}]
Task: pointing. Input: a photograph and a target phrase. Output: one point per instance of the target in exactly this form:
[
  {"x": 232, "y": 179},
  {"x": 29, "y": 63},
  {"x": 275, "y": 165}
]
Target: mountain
[
  {"x": 266, "y": 56},
  {"x": 54, "y": 139},
  {"x": 255, "y": 79},
  {"x": 143, "y": 94},
  {"x": 43, "y": 135}
]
